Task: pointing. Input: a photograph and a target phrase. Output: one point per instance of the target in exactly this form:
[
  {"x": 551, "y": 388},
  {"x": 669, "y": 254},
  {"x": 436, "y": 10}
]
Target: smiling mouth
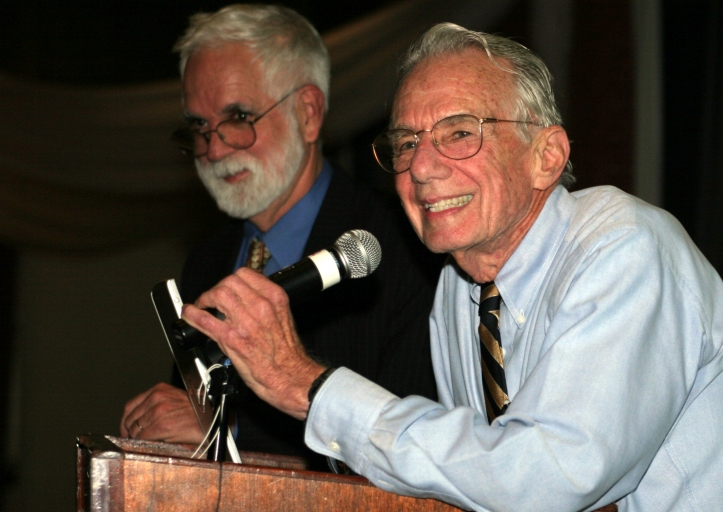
[
  {"x": 233, "y": 178},
  {"x": 446, "y": 204}
]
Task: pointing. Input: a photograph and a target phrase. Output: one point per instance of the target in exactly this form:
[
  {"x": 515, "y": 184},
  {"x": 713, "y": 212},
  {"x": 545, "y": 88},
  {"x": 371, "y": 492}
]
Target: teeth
[{"x": 448, "y": 203}]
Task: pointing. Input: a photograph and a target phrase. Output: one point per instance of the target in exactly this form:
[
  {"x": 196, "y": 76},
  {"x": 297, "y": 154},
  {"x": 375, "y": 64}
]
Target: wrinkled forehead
[
  {"x": 452, "y": 83},
  {"x": 225, "y": 74},
  {"x": 222, "y": 59}
]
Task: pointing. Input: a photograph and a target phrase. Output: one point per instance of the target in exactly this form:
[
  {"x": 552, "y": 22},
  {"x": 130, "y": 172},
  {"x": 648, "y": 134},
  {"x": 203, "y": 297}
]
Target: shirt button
[
  {"x": 521, "y": 318},
  {"x": 504, "y": 353},
  {"x": 334, "y": 447}
]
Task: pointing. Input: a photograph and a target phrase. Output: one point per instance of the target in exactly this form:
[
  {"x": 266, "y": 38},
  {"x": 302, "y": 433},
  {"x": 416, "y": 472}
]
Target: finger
[
  {"x": 225, "y": 297},
  {"x": 259, "y": 283},
  {"x": 131, "y": 412},
  {"x": 242, "y": 289},
  {"x": 165, "y": 415},
  {"x": 142, "y": 406},
  {"x": 229, "y": 289},
  {"x": 137, "y": 430},
  {"x": 140, "y": 423},
  {"x": 234, "y": 298},
  {"x": 264, "y": 288},
  {"x": 178, "y": 425}
]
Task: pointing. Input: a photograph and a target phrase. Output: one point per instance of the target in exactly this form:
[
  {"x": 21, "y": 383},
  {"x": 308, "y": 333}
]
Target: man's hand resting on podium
[
  {"x": 259, "y": 337},
  {"x": 163, "y": 413}
]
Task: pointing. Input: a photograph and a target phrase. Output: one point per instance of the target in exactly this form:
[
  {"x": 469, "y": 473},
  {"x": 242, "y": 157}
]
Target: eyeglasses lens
[
  {"x": 455, "y": 137},
  {"x": 236, "y": 133},
  {"x": 233, "y": 132},
  {"x": 394, "y": 150},
  {"x": 458, "y": 137}
]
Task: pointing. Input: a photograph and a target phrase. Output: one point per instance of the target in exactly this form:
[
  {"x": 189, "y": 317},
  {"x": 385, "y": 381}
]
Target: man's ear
[
  {"x": 551, "y": 149},
  {"x": 310, "y": 111}
]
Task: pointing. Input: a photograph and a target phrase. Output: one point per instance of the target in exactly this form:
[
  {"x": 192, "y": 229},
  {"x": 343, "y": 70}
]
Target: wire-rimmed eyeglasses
[
  {"x": 456, "y": 137},
  {"x": 236, "y": 132}
]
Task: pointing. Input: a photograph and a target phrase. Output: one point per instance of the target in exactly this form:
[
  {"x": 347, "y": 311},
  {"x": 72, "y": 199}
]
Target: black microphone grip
[
  {"x": 355, "y": 254},
  {"x": 300, "y": 281}
]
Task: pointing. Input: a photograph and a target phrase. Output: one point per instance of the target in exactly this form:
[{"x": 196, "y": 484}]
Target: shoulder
[
  {"x": 604, "y": 213},
  {"x": 620, "y": 234}
]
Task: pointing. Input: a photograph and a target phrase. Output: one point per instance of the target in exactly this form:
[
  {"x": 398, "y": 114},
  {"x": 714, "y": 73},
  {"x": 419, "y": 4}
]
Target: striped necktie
[
  {"x": 493, "y": 365},
  {"x": 259, "y": 255}
]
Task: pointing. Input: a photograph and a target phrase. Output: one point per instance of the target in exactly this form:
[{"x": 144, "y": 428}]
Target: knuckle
[
  {"x": 278, "y": 295},
  {"x": 225, "y": 292},
  {"x": 265, "y": 311}
]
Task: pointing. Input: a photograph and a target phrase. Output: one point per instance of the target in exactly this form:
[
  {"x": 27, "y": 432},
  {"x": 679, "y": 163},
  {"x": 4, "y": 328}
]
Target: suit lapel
[{"x": 335, "y": 215}]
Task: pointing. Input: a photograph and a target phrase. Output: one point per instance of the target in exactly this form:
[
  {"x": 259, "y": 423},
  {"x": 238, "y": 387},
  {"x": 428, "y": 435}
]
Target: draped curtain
[{"x": 92, "y": 168}]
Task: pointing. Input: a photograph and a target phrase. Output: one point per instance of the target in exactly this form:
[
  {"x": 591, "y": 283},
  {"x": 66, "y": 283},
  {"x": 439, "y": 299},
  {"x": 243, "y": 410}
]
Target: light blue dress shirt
[
  {"x": 612, "y": 329},
  {"x": 287, "y": 238}
]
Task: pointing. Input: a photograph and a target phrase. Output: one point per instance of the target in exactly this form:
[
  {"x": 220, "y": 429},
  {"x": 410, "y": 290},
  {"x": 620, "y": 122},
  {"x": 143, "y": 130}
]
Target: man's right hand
[{"x": 163, "y": 413}]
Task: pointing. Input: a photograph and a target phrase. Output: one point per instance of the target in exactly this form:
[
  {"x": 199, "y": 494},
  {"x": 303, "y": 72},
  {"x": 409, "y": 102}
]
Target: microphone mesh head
[{"x": 361, "y": 252}]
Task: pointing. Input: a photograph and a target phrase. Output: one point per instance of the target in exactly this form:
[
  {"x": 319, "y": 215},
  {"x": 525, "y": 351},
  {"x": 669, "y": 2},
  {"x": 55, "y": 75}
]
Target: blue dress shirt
[
  {"x": 612, "y": 329},
  {"x": 287, "y": 238}
]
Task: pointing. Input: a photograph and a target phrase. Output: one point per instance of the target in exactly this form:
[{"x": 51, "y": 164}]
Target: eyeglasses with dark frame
[
  {"x": 236, "y": 133},
  {"x": 456, "y": 137}
]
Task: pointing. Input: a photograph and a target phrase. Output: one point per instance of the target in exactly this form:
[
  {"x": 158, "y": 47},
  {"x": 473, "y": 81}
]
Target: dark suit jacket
[{"x": 377, "y": 326}]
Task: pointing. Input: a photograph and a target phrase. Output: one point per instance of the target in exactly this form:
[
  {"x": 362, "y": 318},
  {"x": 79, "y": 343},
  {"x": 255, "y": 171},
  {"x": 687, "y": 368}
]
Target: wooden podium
[{"x": 117, "y": 474}]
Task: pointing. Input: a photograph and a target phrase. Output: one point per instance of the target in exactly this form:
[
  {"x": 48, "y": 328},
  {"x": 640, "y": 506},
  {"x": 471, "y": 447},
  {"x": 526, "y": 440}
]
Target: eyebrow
[
  {"x": 400, "y": 126},
  {"x": 404, "y": 126},
  {"x": 237, "y": 107},
  {"x": 190, "y": 118},
  {"x": 231, "y": 108}
]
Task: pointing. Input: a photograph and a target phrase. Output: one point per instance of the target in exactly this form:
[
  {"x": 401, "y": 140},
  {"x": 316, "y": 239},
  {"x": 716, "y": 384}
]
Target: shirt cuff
[{"x": 342, "y": 415}]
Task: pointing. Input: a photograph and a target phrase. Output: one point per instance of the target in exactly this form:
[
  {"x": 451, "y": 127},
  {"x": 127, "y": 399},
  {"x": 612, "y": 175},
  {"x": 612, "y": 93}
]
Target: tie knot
[
  {"x": 489, "y": 298},
  {"x": 258, "y": 256}
]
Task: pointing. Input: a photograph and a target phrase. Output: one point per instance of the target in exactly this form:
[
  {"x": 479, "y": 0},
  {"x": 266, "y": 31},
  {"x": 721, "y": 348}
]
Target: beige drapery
[{"x": 92, "y": 168}]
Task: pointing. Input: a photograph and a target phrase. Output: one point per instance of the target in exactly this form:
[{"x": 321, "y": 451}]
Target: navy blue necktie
[{"x": 493, "y": 365}]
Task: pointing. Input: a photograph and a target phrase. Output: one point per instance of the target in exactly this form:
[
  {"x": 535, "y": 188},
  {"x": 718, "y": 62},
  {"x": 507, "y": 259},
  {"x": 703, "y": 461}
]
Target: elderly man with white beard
[{"x": 255, "y": 89}]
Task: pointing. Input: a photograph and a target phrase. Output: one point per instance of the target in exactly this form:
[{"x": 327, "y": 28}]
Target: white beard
[{"x": 256, "y": 192}]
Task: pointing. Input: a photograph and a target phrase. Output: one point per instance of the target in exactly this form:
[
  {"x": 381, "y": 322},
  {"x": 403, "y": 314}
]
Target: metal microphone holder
[{"x": 224, "y": 384}]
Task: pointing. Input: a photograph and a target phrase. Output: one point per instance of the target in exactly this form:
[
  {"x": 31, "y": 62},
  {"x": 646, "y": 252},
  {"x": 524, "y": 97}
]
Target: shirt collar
[
  {"x": 521, "y": 277},
  {"x": 288, "y": 236}
]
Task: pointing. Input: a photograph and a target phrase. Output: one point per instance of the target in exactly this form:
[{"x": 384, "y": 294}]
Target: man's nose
[
  {"x": 427, "y": 162},
  {"x": 217, "y": 148}
]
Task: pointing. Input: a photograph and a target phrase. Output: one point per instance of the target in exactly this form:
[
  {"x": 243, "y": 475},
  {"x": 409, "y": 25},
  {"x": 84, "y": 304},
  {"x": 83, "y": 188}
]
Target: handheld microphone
[{"x": 355, "y": 254}]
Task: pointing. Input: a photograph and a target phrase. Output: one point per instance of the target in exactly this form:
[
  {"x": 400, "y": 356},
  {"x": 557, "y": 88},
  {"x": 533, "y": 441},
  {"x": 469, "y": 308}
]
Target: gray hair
[
  {"x": 534, "y": 101},
  {"x": 289, "y": 48}
]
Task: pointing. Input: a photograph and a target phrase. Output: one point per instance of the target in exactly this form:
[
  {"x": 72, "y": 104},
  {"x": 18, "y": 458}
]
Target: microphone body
[
  {"x": 311, "y": 275},
  {"x": 355, "y": 254}
]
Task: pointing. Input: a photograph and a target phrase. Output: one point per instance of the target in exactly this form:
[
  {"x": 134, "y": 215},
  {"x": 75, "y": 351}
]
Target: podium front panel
[{"x": 117, "y": 474}]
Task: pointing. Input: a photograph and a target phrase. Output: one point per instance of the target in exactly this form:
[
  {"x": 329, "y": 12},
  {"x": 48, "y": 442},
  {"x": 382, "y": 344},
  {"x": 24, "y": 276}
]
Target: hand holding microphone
[
  {"x": 355, "y": 254},
  {"x": 258, "y": 333}
]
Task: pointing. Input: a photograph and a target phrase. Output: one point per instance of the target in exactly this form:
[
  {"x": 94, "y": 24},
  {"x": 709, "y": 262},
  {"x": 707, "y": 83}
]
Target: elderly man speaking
[{"x": 577, "y": 337}]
